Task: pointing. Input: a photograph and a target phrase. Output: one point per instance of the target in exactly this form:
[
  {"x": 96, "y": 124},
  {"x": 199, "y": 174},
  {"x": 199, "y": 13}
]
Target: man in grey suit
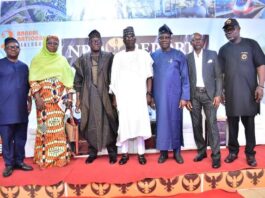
[{"x": 206, "y": 88}]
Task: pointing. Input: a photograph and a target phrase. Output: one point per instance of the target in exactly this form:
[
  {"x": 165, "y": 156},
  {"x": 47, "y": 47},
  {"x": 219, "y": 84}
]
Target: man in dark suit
[
  {"x": 206, "y": 88},
  {"x": 15, "y": 106}
]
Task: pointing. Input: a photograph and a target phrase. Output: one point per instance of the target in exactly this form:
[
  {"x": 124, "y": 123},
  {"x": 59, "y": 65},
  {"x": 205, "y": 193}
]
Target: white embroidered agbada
[{"x": 130, "y": 71}]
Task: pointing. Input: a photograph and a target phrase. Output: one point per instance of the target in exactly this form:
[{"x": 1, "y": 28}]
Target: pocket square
[{"x": 210, "y": 61}]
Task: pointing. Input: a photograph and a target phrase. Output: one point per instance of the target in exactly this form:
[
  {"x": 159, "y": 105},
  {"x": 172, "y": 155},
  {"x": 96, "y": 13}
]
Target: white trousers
[{"x": 140, "y": 146}]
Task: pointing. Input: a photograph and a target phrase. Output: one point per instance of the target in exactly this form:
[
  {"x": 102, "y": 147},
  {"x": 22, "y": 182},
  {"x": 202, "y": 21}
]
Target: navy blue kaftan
[{"x": 170, "y": 85}]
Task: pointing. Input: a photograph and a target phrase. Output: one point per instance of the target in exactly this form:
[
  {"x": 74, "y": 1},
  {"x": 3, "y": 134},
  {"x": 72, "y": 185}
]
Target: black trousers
[
  {"x": 112, "y": 150},
  {"x": 200, "y": 101},
  {"x": 249, "y": 125}
]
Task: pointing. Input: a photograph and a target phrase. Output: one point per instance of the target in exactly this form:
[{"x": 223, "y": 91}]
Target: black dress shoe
[
  {"x": 141, "y": 159},
  {"x": 112, "y": 159},
  {"x": 230, "y": 158},
  {"x": 124, "y": 159},
  {"x": 23, "y": 167},
  {"x": 178, "y": 157},
  {"x": 251, "y": 161},
  {"x": 200, "y": 157},
  {"x": 162, "y": 158},
  {"x": 216, "y": 163},
  {"x": 90, "y": 159},
  {"x": 8, "y": 171}
]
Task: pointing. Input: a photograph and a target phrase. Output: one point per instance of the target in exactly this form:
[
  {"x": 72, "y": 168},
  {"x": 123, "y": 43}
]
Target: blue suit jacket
[{"x": 14, "y": 88}]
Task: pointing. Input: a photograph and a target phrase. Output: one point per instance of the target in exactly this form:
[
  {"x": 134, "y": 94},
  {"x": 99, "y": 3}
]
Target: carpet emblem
[
  {"x": 124, "y": 188},
  {"x": 77, "y": 188},
  {"x": 32, "y": 189},
  {"x": 100, "y": 188},
  {"x": 169, "y": 183},
  {"x": 254, "y": 176},
  {"x": 146, "y": 186},
  {"x": 213, "y": 180},
  {"x": 56, "y": 190},
  {"x": 11, "y": 191},
  {"x": 234, "y": 178},
  {"x": 191, "y": 182}
]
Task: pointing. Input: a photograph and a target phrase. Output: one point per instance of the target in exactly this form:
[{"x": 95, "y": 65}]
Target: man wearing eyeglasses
[
  {"x": 243, "y": 65},
  {"x": 99, "y": 120},
  {"x": 171, "y": 91},
  {"x": 15, "y": 105},
  {"x": 131, "y": 83}
]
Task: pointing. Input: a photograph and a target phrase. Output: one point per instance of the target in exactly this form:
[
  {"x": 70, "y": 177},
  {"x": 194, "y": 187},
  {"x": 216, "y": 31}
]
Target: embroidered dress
[{"x": 51, "y": 148}]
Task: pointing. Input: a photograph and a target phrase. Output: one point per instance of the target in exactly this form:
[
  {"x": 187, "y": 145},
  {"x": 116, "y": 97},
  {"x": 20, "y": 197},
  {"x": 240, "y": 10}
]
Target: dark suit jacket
[{"x": 211, "y": 73}]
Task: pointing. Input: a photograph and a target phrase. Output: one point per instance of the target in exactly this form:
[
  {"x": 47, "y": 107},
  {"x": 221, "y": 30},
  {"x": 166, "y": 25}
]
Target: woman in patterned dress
[{"x": 50, "y": 75}]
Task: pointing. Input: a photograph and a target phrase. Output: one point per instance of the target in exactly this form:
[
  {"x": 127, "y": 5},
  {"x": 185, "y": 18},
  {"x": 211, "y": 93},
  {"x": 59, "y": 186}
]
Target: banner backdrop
[{"x": 30, "y": 20}]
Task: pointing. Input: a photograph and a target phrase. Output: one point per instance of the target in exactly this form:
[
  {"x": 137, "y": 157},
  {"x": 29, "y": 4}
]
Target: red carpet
[{"x": 77, "y": 172}]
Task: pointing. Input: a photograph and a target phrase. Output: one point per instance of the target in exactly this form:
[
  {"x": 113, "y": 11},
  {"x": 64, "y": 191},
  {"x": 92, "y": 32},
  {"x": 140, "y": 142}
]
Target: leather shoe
[
  {"x": 251, "y": 161},
  {"x": 200, "y": 157},
  {"x": 90, "y": 159},
  {"x": 23, "y": 167},
  {"x": 162, "y": 158},
  {"x": 8, "y": 171},
  {"x": 230, "y": 158},
  {"x": 124, "y": 159},
  {"x": 112, "y": 159},
  {"x": 141, "y": 159},
  {"x": 216, "y": 163},
  {"x": 178, "y": 157}
]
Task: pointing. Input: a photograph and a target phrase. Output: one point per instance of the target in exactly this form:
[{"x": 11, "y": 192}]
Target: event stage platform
[{"x": 100, "y": 179}]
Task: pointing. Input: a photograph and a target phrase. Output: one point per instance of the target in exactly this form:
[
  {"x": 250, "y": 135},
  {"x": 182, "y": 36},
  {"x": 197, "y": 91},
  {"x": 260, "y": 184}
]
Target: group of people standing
[{"x": 113, "y": 94}]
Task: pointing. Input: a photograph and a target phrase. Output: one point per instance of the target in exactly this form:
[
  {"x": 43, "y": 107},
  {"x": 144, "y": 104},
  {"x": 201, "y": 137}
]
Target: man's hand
[
  {"x": 149, "y": 99},
  {"x": 258, "y": 94},
  {"x": 189, "y": 106},
  {"x": 182, "y": 104},
  {"x": 216, "y": 101}
]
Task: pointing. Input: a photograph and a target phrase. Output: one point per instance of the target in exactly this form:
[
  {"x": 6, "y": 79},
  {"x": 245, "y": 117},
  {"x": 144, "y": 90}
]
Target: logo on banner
[
  {"x": 26, "y": 38},
  {"x": 5, "y": 34}
]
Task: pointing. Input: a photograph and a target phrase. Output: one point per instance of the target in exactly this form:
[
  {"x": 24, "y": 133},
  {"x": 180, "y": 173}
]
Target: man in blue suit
[
  {"x": 15, "y": 106},
  {"x": 205, "y": 88}
]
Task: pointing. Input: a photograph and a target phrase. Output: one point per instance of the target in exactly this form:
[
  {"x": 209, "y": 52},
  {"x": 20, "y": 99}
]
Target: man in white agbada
[{"x": 131, "y": 84}]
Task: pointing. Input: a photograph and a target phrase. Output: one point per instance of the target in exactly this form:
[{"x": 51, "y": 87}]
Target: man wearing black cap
[
  {"x": 171, "y": 91},
  {"x": 131, "y": 81},
  {"x": 15, "y": 105},
  {"x": 242, "y": 62},
  {"x": 99, "y": 121}
]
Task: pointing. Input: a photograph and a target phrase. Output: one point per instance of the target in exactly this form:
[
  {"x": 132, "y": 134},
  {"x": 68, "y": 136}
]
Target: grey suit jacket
[{"x": 211, "y": 73}]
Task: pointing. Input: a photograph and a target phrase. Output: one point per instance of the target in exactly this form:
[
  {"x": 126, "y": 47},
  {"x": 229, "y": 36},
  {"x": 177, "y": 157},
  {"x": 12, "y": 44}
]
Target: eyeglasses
[
  {"x": 95, "y": 41},
  {"x": 16, "y": 47},
  {"x": 52, "y": 43},
  {"x": 164, "y": 38},
  {"x": 128, "y": 37}
]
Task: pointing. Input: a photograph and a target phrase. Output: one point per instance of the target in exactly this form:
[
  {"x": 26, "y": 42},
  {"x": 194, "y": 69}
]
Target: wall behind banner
[{"x": 29, "y": 21}]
